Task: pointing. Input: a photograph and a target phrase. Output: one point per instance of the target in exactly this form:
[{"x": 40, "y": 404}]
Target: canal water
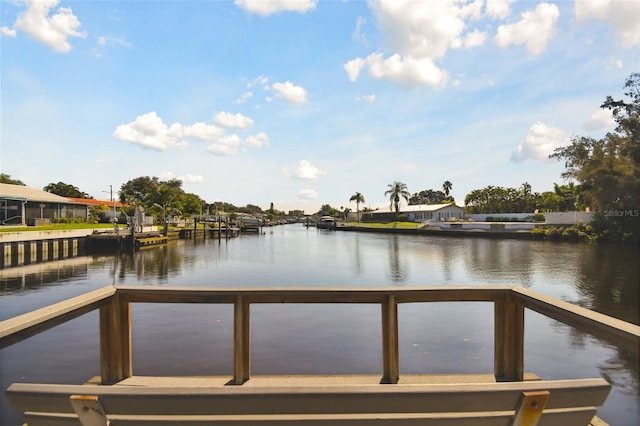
[{"x": 435, "y": 338}]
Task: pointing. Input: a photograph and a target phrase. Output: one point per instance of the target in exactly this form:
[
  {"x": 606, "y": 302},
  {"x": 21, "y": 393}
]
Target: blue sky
[{"x": 303, "y": 103}]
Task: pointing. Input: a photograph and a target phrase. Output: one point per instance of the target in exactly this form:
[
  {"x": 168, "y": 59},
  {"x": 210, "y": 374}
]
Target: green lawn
[{"x": 55, "y": 227}]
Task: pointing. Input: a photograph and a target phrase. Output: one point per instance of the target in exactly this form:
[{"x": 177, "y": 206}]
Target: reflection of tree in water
[
  {"x": 151, "y": 264},
  {"x": 399, "y": 270},
  {"x": 356, "y": 254},
  {"x": 610, "y": 280},
  {"x": 621, "y": 370},
  {"x": 506, "y": 261}
]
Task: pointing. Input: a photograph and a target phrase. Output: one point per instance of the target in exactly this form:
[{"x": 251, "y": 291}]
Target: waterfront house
[
  {"x": 416, "y": 213},
  {"x": 23, "y": 205}
]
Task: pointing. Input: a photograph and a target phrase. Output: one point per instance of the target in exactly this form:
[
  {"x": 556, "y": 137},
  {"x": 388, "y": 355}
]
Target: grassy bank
[
  {"x": 56, "y": 227},
  {"x": 377, "y": 225}
]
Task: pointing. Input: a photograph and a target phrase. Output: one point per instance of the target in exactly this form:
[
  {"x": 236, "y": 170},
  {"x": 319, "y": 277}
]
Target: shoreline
[{"x": 519, "y": 234}]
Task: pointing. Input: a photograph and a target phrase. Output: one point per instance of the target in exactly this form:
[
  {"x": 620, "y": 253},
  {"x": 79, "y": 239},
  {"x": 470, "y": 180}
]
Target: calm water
[{"x": 324, "y": 339}]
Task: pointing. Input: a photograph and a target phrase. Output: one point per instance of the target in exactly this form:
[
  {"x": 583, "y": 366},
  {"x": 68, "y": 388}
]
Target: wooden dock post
[
  {"x": 508, "y": 339},
  {"x": 241, "y": 341},
  {"x": 390, "y": 359},
  {"x": 115, "y": 341}
]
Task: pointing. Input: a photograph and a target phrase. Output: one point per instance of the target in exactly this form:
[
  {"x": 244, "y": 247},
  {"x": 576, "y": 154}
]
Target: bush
[
  {"x": 553, "y": 233},
  {"x": 538, "y": 233}
]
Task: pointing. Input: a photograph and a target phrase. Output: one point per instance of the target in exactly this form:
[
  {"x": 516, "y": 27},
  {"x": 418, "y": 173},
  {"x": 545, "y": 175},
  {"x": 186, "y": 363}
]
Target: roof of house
[
  {"x": 92, "y": 202},
  {"x": 416, "y": 208},
  {"x": 26, "y": 193}
]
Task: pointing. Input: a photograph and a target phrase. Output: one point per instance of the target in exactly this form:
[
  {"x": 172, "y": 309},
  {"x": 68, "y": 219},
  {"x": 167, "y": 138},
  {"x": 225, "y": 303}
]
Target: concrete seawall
[
  {"x": 23, "y": 248},
  {"x": 517, "y": 234}
]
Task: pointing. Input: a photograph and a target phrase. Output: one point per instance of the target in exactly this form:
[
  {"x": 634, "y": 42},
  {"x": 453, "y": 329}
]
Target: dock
[
  {"x": 112, "y": 241},
  {"x": 508, "y": 396}
]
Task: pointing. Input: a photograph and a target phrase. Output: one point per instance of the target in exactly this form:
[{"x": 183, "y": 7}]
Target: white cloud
[
  {"x": 418, "y": 34},
  {"x": 6, "y": 31},
  {"x": 499, "y": 9},
  {"x": 244, "y": 98},
  {"x": 226, "y": 145},
  {"x": 149, "y": 131},
  {"x": 268, "y": 7},
  {"x": 357, "y": 32},
  {"x": 601, "y": 119},
  {"x": 188, "y": 178},
  {"x": 474, "y": 39},
  {"x": 289, "y": 92},
  {"x": 308, "y": 194},
  {"x": 257, "y": 141},
  {"x": 534, "y": 29},
  {"x": 424, "y": 29},
  {"x": 367, "y": 98},
  {"x": 53, "y": 30},
  {"x": 353, "y": 68},
  {"x": 197, "y": 130},
  {"x": 622, "y": 16},
  {"x": 230, "y": 120},
  {"x": 258, "y": 81},
  {"x": 541, "y": 141},
  {"x": 307, "y": 171},
  {"x": 407, "y": 71}
]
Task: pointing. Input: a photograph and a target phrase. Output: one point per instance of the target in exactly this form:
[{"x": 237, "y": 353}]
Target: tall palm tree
[
  {"x": 446, "y": 187},
  {"x": 395, "y": 191},
  {"x": 358, "y": 198}
]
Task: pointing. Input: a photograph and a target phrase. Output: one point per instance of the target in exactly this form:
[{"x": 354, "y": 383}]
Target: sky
[{"x": 305, "y": 103}]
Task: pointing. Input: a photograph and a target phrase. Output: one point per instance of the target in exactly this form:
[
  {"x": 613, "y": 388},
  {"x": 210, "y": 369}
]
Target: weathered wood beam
[
  {"x": 241, "y": 340},
  {"x": 390, "y": 356},
  {"x": 20, "y": 327},
  {"x": 612, "y": 329},
  {"x": 508, "y": 339},
  {"x": 115, "y": 341}
]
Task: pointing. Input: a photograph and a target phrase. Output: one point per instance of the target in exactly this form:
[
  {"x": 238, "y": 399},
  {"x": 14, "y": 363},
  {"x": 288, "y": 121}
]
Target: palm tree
[
  {"x": 395, "y": 191},
  {"x": 358, "y": 198},
  {"x": 446, "y": 187}
]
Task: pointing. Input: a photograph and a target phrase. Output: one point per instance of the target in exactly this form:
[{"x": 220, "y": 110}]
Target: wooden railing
[{"x": 509, "y": 307}]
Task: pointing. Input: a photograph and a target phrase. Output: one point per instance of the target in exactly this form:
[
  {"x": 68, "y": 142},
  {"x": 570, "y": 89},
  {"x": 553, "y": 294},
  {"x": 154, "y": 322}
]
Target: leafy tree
[
  {"x": 396, "y": 191},
  {"x": 327, "y": 210},
  {"x": 429, "y": 196},
  {"x": 65, "y": 190},
  {"x": 190, "y": 204},
  {"x": 496, "y": 199},
  {"x": 358, "y": 198},
  {"x": 608, "y": 169},
  {"x": 139, "y": 191},
  {"x": 5, "y": 178},
  {"x": 251, "y": 209}
]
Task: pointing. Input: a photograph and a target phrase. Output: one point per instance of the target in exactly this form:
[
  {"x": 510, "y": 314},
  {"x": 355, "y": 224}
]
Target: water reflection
[
  {"x": 604, "y": 278},
  {"x": 397, "y": 263}
]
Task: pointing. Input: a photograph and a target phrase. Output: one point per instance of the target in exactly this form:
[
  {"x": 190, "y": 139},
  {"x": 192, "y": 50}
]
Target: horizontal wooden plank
[
  {"x": 227, "y": 400},
  {"x": 157, "y": 294},
  {"x": 550, "y": 418},
  {"x": 20, "y": 327},
  {"x": 612, "y": 329},
  {"x": 305, "y": 380},
  {"x": 393, "y": 419}
]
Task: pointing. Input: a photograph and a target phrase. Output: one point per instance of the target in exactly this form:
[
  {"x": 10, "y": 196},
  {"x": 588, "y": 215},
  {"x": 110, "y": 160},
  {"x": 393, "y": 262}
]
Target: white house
[{"x": 416, "y": 213}]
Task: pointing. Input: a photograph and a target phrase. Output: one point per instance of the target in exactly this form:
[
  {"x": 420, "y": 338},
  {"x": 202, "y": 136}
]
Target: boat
[{"x": 326, "y": 222}]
